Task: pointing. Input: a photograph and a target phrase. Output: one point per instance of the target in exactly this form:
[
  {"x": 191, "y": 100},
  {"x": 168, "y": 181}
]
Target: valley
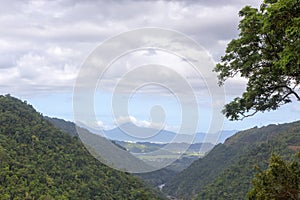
[{"x": 222, "y": 171}]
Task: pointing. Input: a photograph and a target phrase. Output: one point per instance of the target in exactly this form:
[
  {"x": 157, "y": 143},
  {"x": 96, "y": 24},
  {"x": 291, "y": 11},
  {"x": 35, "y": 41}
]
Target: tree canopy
[
  {"x": 39, "y": 161},
  {"x": 227, "y": 170},
  {"x": 281, "y": 180},
  {"x": 267, "y": 54}
]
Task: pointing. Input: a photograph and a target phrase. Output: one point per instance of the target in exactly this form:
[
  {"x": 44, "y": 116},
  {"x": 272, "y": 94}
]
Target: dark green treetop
[{"x": 281, "y": 180}]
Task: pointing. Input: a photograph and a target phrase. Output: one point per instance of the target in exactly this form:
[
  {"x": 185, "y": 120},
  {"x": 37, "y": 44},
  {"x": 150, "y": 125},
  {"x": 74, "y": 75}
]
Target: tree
[
  {"x": 267, "y": 54},
  {"x": 281, "y": 180}
]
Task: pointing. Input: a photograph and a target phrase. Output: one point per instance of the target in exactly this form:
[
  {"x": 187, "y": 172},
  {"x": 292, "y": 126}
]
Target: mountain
[
  {"x": 154, "y": 178},
  {"x": 65, "y": 126},
  {"x": 197, "y": 149},
  {"x": 131, "y": 132},
  {"x": 226, "y": 171},
  {"x": 39, "y": 161},
  {"x": 109, "y": 152},
  {"x": 137, "y": 147}
]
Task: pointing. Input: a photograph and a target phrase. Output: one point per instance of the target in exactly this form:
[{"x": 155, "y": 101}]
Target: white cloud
[
  {"x": 236, "y": 86},
  {"x": 43, "y": 43},
  {"x": 104, "y": 126},
  {"x": 125, "y": 119},
  {"x": 100, "y": 123},
  {"x": 141, "y": 123},
  {"x": 34, "y": 73}
]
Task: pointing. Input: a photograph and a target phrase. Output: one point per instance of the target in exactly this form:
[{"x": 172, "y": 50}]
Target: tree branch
[
  {"x": 293, "y": 92},
  {"x": 245, "y": 116},
  {"x": 273, "y": 47}
]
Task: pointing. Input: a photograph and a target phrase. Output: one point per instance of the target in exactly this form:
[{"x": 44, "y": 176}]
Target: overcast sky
[{"x": 43, "y": 45}]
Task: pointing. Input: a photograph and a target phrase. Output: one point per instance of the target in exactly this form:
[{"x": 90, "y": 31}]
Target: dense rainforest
[
  {"x": 39, "y": 161},
  {"x": 251, "y": 159},
  {"x": 226, "y": 172}
]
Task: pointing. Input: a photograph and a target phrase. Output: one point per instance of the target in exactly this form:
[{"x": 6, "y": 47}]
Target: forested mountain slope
[
  {"x": 65, "y": 126},
  {"x": 226, "y": 172},
  {"x": 39, "y": 161}
]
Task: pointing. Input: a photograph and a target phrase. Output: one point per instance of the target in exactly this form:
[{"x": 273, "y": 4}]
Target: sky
[{"x": 44, "y": 46}]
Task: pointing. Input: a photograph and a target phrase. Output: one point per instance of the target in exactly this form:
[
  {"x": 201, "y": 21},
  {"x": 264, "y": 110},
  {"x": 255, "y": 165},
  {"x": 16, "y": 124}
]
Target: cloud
[
  {"x": 36, "y": 73},
  {"x": 44, "y": 43},
  {"x": 103, "y": 126},
  {"x": 125, "y": 119},
  {"x": 143, "y": 123}
]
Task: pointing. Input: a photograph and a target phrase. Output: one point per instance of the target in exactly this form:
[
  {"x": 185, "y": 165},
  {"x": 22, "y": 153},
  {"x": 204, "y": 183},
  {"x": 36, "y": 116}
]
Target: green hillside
[
  {"x": 226, "y": 172},
  {"x": 39, "y": 161},
  {"x": 154, "y": 178}
]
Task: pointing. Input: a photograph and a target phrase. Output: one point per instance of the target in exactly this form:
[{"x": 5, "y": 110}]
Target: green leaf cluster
[
  {"x": 281, "y": 180},
  {"x": 267, "y": 54}
]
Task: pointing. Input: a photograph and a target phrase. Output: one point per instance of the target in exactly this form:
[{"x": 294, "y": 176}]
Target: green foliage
[
  {"x": 226, "y": 171},
  {"x": 39, "y": 161},
  {"x": 267, "y": 54},
  {"x": 281, "y": 180}
]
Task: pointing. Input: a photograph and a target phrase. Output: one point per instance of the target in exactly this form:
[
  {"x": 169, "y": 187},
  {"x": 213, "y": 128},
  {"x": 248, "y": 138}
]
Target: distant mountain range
[
  {"x": 131, "y": 132},
  {"x": 153, "y": 178}
]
